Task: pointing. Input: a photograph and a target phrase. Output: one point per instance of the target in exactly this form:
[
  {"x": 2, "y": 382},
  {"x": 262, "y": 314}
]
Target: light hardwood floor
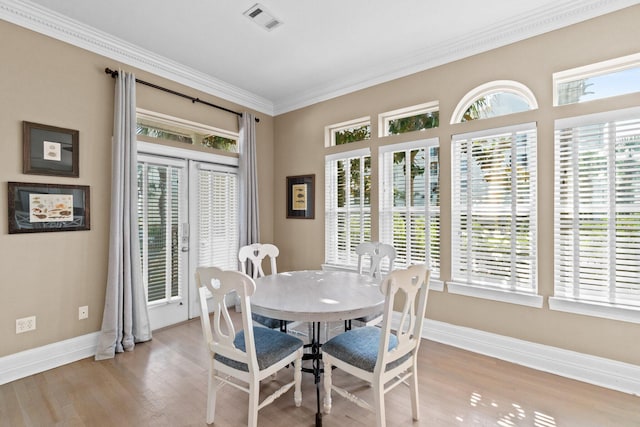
[{"x": 163, "y": 383}]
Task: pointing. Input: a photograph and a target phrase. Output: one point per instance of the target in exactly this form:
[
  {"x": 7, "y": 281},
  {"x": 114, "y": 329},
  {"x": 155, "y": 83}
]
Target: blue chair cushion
[
  {"x": 267, "y": 321},
  {"x": 271, "y": 347},
  {"x": 359, "y": 347}
]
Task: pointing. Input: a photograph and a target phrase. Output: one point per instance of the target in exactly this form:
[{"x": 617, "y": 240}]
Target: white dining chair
[
  {"x": 254, "y": 254},
  {"x": 251, "y": 258},
  {"x": 382, "y": 357},
  {"x": 249, "y": 356},
  {"x": 374, "y": 254}
]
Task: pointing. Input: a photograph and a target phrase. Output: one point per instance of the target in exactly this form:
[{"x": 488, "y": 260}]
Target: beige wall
[
  {"x": 50, "y": 275},
  {"x": 300, "y": 150}
]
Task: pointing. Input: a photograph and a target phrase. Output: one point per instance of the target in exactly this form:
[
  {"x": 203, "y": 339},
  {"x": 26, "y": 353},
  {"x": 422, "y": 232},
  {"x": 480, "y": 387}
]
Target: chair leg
[
  {"x": 378, "y": 394},
  {"x": 415, "y": 408},
  {"x": 327, "y": 386},
  {"x": 254, "y": 400},
  {"x": 211, "y": 394},
  {"x": 297, "y": 378}
]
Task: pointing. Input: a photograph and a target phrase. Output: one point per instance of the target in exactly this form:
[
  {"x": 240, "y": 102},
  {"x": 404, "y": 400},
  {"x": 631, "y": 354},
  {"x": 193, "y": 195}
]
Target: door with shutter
[
  {"x": 187, "y": 217},
  {"x": 162, "y": 221}
]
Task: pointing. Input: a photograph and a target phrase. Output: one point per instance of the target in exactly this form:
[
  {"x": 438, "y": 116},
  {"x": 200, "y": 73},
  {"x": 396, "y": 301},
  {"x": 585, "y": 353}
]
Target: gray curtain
[
  {"x": 249, "y": 226},
  {"x": 125, "y": 320}
]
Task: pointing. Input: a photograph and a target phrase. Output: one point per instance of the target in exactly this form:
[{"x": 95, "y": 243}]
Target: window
[
  {"x": 494, "y": 99},
  {"x": 159, "y": 126},
  {"x": 597, "y": 210},
  {"x": 347, "y": 132},
  {"x": 347, "y": 206},
  {"x": 218, "y": 217},
  {"x": 494, "y": 222},
  {"x": 410, "y": 119},
  {"x": 596, "y": 81},
  {"x": 410, "y": 202}
]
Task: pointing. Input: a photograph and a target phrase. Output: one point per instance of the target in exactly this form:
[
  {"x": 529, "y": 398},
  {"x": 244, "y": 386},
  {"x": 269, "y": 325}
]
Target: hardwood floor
[{"x": 163, "y": 383}]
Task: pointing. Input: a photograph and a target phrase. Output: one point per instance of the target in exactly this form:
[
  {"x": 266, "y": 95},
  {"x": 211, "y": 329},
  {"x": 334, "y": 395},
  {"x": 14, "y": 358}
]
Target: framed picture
[
  {"x": 36, "y": 207},
  {"x": 300, "y": 196},
  {"x": 50, "y": 150}
]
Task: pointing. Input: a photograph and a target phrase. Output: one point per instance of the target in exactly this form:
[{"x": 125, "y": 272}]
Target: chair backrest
[
  {"x": 255, "y": 253},
  {"x": 376, "y": 252},
  {"x": 403, "y": 288},
  {"x": 223, "y": 286}
]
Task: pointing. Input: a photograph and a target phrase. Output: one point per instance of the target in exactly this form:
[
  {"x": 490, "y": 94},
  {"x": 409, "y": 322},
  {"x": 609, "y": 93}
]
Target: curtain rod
[{"x": 114, "y": 74}]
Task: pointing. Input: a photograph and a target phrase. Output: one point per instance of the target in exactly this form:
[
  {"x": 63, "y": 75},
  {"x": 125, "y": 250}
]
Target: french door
[{"x": 187, "y": 216}]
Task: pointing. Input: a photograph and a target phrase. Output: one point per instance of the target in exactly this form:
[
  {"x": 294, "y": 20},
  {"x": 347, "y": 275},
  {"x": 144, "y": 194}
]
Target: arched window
[{"x": 494, "y": 99}]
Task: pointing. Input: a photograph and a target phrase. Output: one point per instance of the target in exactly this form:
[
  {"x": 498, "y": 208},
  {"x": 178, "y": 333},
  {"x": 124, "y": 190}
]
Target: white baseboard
[
  {"x": 40, "y": 359},
  {"x": 599, "y": 371},
  {"x": 595, "y": 370}
]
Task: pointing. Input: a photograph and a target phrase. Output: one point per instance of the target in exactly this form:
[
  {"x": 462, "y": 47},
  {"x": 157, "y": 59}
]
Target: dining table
[{"x": 317, "y": 297}]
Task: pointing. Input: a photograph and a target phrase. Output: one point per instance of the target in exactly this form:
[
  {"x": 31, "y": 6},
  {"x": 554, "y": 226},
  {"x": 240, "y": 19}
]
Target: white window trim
[
  {"x": 331, "y": 158},
  {"x": 330, "y": 130},
  {"x": 489, "y": 88},
  {"x": 592, "y": 308},
  {"x": 595, "y": 309},
  {"x": 411, "y": 145},
  {"x": 185, "y": 153},
  {"x": 185, "y": 124},
  {"x": 494, "y": 294},
  {"x": 385, "y": 118},
  {"x": 592, "y": 70}
]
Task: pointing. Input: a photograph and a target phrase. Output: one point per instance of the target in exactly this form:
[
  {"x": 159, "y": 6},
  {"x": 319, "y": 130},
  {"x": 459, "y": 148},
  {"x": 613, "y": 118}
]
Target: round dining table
[{"x": 317, "y": 296}]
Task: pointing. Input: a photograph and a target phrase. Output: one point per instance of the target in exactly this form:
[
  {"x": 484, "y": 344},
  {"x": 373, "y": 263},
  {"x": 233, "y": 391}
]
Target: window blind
[
  {"x": 347, "y": 205},
  {"x": 494, "y": 225},
  {"x": 218, "y": 219},
  {"x": 410, "y": 202},
  {"x": 597, "y": 208}
]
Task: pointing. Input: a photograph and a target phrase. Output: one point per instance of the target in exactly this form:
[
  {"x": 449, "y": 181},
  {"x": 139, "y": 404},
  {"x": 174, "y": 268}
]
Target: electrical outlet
[
  {"x": 25, "y": 324},
  {"x": 83, "y": 312}
]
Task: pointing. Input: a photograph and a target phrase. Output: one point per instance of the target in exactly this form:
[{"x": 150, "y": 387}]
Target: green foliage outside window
[
  {"x": 354, "y": 134},
  {"x": 414, "y": 123}
]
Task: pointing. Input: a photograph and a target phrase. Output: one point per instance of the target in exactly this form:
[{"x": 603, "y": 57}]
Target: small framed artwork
[
  {"x": 50, "y": 150},
  {"x": 301, "y": 196},
  {"x": 36, "y": 207}
]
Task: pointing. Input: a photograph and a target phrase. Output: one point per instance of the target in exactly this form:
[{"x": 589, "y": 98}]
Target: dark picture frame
[
  {"x": 301, "y": 196},
  {"x": 50, "y": 150},
  {"x": 35, "y": 208}
]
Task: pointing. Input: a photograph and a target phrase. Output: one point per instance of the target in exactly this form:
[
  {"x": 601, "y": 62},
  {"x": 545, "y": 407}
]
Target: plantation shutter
[
  {"x": 410, "y": 203},
  {"x": 218, "y": 218},
  {"x": 597, "y": 208},
  {"x": 494, "y": 222},
  {"x": 347, "y": 205}
]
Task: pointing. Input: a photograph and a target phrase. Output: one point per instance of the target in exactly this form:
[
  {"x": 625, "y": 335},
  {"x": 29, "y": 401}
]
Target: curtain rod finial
[{"x": 113, "y": 73}]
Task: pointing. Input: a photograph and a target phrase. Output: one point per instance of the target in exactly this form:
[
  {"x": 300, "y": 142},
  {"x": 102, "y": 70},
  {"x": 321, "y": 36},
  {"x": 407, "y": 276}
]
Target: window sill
[
  {"x": 495, "y": 294},
  {"x": 604, "y": 310}
]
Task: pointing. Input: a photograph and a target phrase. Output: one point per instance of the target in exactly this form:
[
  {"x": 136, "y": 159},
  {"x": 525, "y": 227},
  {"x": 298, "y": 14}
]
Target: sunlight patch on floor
[{"x": 514, "y": 415}]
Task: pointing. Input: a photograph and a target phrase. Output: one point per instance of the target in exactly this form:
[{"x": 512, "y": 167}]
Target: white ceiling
[{"x": 323, "y": 49}]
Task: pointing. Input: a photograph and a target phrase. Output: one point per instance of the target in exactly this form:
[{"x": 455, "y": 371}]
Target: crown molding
[
  {"x": 561, "y": 14},
  {"x": 540, "y": 21},
  {"x": 44, "y": 21}
]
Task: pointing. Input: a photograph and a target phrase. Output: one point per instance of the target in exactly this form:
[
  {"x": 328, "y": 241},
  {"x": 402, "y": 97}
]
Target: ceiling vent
[{"x": 258, "y": 14}]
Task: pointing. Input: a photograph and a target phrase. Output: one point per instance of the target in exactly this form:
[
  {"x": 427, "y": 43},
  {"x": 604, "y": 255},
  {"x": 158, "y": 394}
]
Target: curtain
[
  {"x": 249, "y": 226},
  {"x": 125, "y": 320}
]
